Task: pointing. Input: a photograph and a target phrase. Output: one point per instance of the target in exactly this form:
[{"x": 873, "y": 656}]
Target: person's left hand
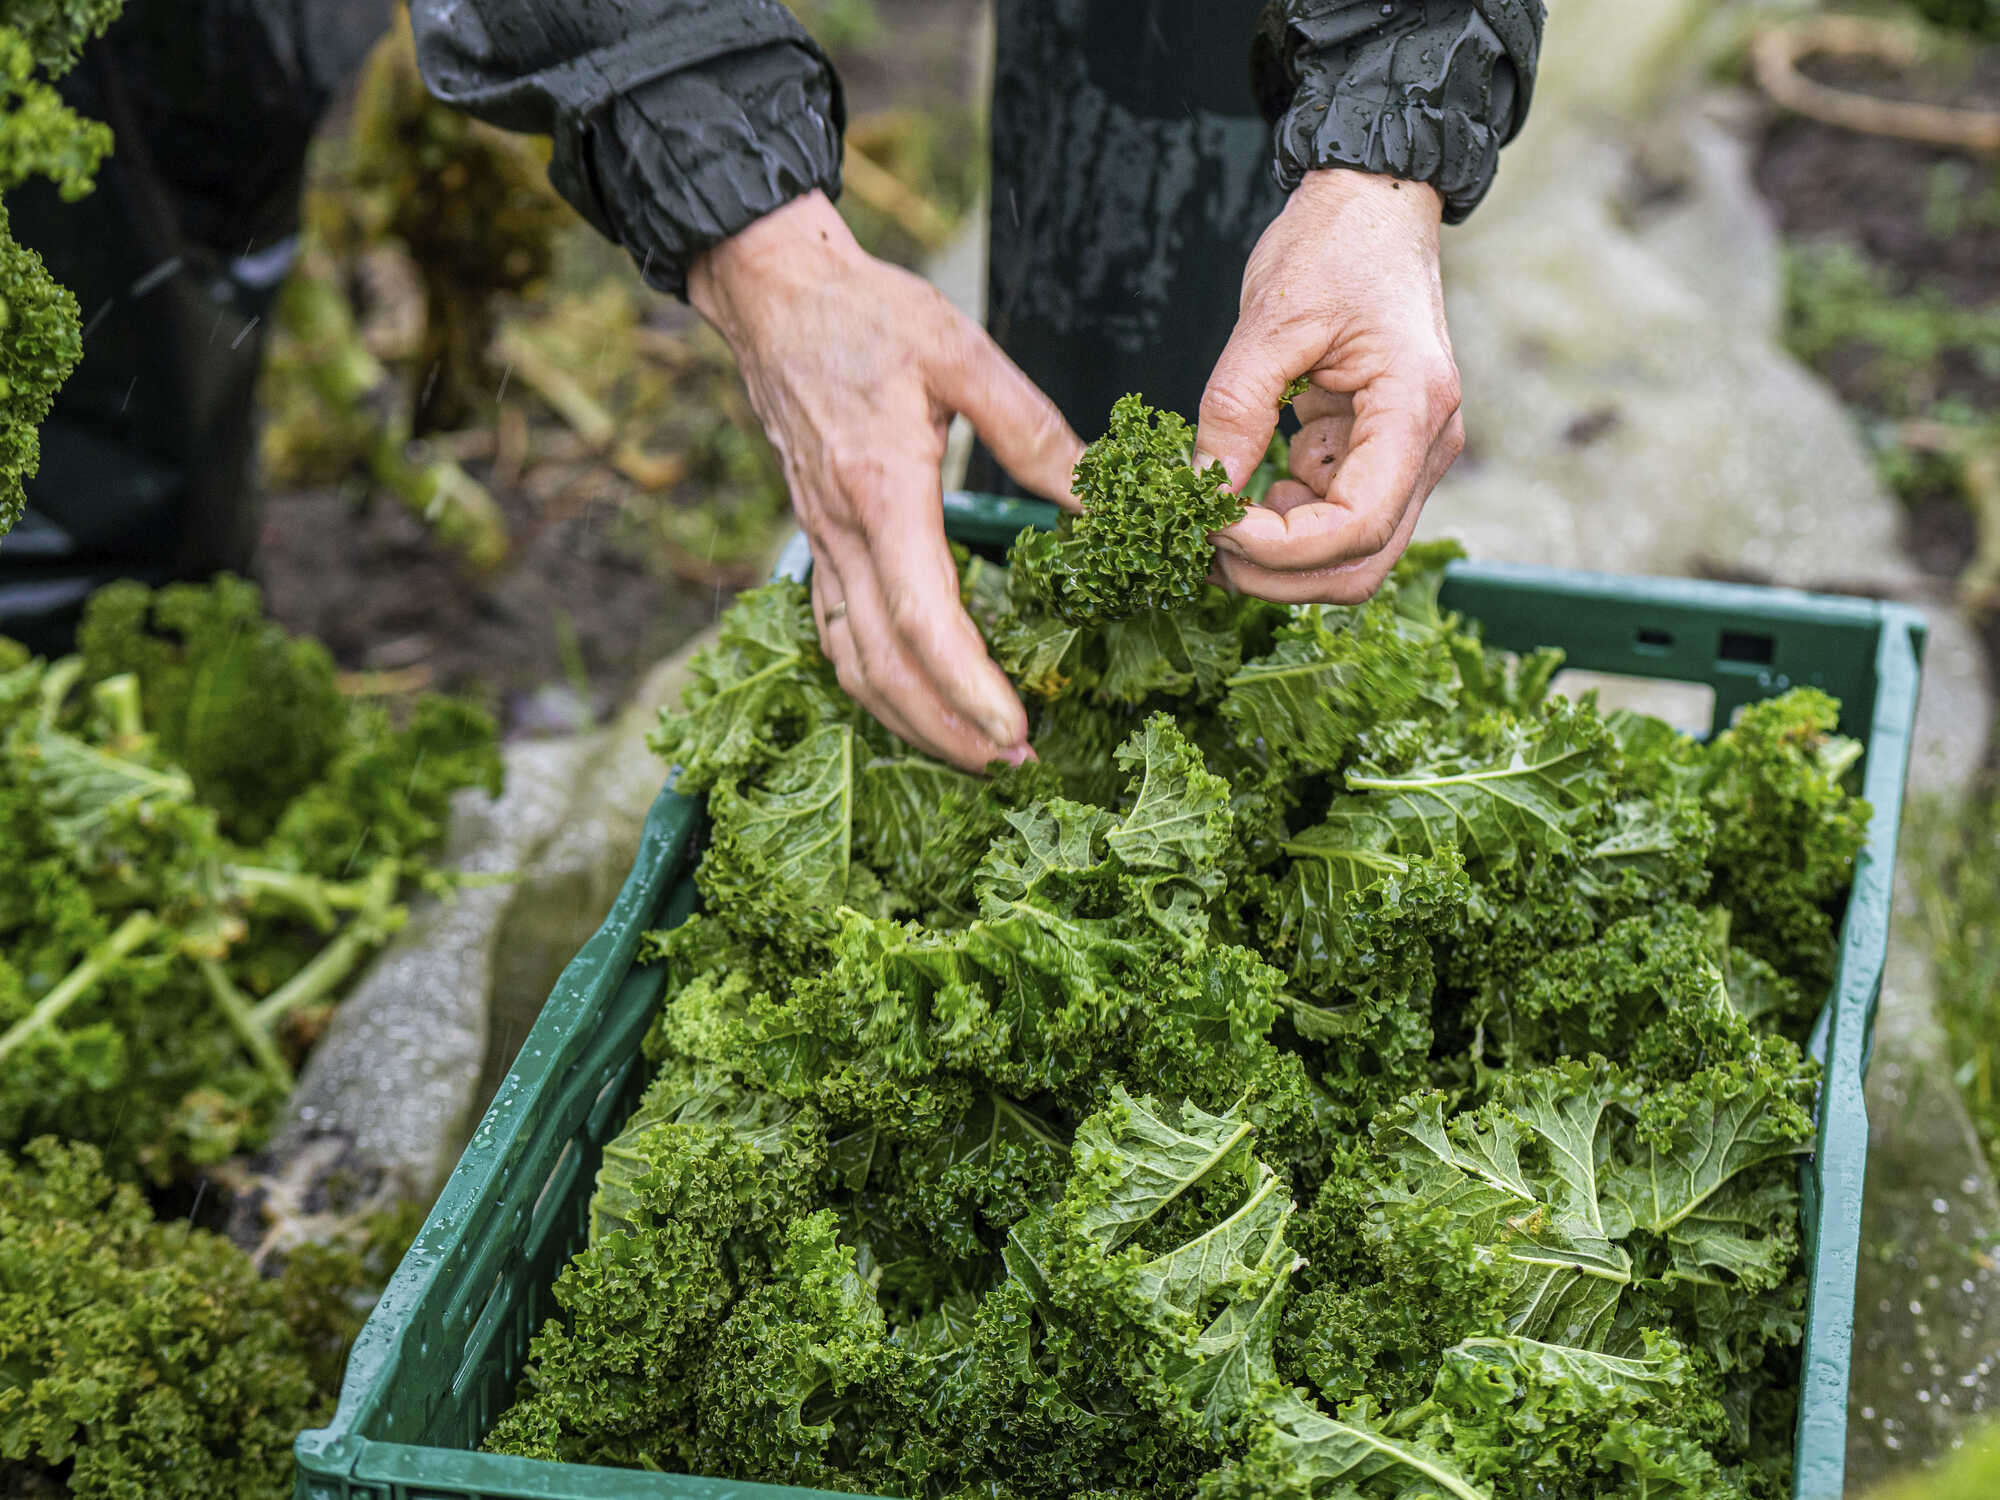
[{"x": 1343, "y": 288}]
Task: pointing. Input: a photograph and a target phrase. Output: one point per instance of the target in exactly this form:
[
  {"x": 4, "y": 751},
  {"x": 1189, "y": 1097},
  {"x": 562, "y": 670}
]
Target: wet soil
[
  {"x": 1929, "y": 220},
  {"x": 1893, "y": 200}
]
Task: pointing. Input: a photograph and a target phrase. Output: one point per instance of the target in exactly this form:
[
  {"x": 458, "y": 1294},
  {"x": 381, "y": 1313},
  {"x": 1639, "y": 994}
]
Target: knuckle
[
  {"x": 1454, "y": 438},
  {"x": 1226, "y": 403},
  {"x": 854, "y": 469},
  {"x": 1050, "y": 431},
  {"x": 1442, "y": 391},
  {"x": 871, "y": 659},
  {"x": 907, "y": 616},
  {"x": 1376, "y": 536}
]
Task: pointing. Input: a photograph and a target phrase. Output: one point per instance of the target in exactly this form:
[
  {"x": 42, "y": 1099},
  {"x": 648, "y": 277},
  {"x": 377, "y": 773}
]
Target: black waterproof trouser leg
[
  {"x": 1131, "y": 178},
  {"x": 147, "y": 464}
]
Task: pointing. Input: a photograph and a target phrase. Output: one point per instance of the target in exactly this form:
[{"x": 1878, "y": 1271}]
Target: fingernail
[{"x": 1017, "y": 756}]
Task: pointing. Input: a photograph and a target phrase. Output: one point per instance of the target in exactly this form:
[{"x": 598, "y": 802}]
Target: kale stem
[
  {"x": 314, "y": 895},
  {"x": 236, "y": 1010},
  {"x": 117, "y": 698},
  {"x": 315, "y": 898},
  {"x": 56, "y": 683},
  {"x": 332, "y": 964},
  {"x": 133, "y": 931}
]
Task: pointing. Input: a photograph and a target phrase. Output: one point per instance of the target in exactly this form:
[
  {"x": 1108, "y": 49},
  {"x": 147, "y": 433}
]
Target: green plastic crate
[{"x": 439, "y": 1359}]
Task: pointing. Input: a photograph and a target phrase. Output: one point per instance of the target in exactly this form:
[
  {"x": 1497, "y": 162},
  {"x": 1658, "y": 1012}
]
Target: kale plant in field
[
  {"x": 1334, "y": 1068},
  {"x": 40, "y": 335},
  {"x": 204, "y": 838},
  {"x": 148, "y": 1359}
]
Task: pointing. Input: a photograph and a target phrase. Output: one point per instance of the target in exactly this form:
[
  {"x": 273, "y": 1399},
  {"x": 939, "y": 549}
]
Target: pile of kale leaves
[
  {"x": 203, "y": 838},
  {"x": 1335, "y": 1067}
]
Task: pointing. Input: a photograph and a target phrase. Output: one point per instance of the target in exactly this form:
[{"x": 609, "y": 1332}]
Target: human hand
[
  {"x": 1343, "y": 288},
  {"x": 856, "y": 368}
]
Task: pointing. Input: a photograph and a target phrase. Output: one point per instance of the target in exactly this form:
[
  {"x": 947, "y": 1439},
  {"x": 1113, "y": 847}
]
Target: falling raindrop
[{"x": 154, "y": 277}]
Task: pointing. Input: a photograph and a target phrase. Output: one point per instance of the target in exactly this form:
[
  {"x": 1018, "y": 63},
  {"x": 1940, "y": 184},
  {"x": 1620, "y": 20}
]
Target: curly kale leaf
[
  {"x": 1333, "y": 673},
  {"x": 40, "y": 336},
  {"x": 1142, "y": 541},
  {"x": 40, "y": 136},
  {"x": 162, "y": 975},
  {"x": 55, "y": 31},
  {"x": 40, "y": 343},
  {"x": 252, "y": 714},
  {"x": 1559, "y": 1173},
  {"x": 690, "y": 1207},
  {"x": 1787, "y": 832},
  {"x": 139, "y": 1357},
  {"x": 1526, "y": 1186},
  {"x": 1531, "y": 787},
  {"x": 756, "y": 691},
  {"x": 1534, "y": 1420}
]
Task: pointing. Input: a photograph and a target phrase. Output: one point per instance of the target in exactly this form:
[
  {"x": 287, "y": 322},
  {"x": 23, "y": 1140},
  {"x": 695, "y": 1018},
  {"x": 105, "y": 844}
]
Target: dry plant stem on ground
[{"x": 1776, "y": 56}]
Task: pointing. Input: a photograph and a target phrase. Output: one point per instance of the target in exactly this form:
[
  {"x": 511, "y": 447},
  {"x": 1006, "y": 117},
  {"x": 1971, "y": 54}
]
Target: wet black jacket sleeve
[
  {"x": 676, "y": 122},
  {"x": 1427, "y": 90}
]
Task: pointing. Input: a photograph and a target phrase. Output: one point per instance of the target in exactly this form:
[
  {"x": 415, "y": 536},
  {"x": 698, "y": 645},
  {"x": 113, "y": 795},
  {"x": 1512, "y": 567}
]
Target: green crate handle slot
[{"x": 439, "y": 1357}]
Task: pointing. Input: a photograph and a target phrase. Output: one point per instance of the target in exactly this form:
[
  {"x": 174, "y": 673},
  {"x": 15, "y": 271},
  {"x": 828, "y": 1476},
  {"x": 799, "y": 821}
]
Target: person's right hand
[{"x": 856, "y": 368}]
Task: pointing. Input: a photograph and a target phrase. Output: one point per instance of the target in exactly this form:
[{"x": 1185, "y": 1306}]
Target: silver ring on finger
[{"x": 836, "y": 611}]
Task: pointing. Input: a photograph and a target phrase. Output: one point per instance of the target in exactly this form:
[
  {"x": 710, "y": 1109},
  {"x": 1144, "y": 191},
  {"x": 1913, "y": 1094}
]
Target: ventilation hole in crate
[
  {"x": 1651, "y": 642},
  {"x": 1688, "y": 706},
  {"x": 477, "y": 1341},
  {"x": 1747, "y": 646},
  {"x": 556, "y": 1187},
  {"x": 606, "y": 1104}
]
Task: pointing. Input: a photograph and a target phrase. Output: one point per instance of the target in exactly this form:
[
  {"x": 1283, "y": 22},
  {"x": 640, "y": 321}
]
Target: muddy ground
[{"x": 1929, "y": 220}]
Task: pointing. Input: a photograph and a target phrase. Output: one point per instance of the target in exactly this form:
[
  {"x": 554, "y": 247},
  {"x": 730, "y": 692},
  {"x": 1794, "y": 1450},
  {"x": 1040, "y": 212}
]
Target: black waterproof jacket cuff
[
  {"x": 1426, "y": 90},
  {"x": 682, "y": 163},
  {"x": 675, "y": 123}
]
